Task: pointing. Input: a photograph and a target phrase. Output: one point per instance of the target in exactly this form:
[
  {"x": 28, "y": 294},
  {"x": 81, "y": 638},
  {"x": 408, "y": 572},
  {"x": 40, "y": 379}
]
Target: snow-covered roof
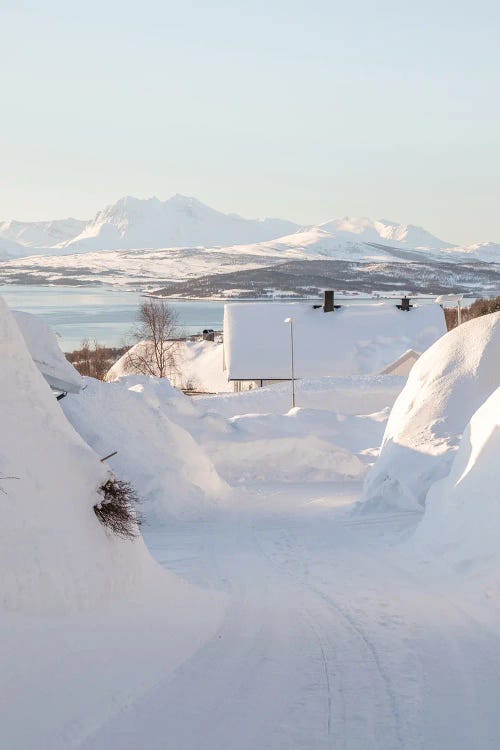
[
  {"x": 44, "y": 348},
  {"x": 403, "y": 364},
  {"x": 355, "y": 340}
]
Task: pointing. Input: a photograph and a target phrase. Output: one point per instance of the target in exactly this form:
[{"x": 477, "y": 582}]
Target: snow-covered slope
[
  {"x": 446, "y": 386},
  {"x": 10, "y": 249},
  {"x": 462, "y": 515},
  {"x": 54, "y": 553}
]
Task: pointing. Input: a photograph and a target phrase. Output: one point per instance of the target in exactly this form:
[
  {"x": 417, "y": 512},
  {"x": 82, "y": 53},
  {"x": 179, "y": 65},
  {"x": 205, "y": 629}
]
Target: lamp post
[{"x": 290, "y": 321}]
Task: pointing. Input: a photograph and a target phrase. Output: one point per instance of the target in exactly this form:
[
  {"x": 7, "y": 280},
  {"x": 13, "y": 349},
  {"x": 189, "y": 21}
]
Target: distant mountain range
[{"x": 183, "y": 222}]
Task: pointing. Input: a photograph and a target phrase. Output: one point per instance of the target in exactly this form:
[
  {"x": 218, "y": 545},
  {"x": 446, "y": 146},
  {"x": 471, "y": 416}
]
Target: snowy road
[{"x": 326, "y": 643}]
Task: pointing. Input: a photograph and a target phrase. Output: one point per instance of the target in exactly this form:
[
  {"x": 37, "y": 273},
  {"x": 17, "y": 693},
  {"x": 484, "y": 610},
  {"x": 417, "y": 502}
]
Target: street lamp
[{"x": 290, "y": 321}]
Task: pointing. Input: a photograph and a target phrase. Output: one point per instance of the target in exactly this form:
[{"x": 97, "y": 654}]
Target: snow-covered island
[{"x": 233, "y": 572}]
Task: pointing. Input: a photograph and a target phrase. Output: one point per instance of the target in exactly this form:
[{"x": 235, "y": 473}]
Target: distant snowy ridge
[{"x": 185, "y": 222}]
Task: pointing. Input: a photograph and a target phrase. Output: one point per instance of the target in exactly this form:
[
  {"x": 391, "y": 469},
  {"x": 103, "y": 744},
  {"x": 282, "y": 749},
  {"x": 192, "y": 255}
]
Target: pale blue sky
[{"x": 306, "y": 110}]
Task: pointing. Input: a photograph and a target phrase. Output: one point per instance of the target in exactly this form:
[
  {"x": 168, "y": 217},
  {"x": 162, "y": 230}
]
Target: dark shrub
[{"x": 116, "y": 509}]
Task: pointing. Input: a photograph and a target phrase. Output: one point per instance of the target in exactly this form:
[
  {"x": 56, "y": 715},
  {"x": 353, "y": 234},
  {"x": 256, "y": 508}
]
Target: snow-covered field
[{"x": 287, "y": 615}]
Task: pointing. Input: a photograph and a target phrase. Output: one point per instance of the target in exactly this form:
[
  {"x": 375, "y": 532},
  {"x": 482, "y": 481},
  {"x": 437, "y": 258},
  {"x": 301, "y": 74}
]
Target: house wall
[{"x": 249, "y": 385}]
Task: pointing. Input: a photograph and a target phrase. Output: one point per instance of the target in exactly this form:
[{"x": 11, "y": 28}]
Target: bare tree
[{"x": 157, "y": 340}]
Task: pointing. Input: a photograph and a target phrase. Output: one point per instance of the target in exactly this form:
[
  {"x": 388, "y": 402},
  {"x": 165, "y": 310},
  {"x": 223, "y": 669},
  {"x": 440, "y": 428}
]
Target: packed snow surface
[
  {"x": 449, "y": 382},
  {"x": 355, "y": 340}
]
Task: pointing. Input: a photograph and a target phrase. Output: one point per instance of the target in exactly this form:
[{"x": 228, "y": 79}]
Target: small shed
[{"x": 403, "y": 364}]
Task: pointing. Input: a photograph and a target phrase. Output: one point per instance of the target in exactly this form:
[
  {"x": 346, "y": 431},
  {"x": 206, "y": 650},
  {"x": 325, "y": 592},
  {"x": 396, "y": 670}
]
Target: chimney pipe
[{"x": 329, "y": 301}]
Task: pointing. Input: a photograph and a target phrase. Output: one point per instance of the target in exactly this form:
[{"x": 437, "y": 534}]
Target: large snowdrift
[
  {"x": 446, "y": 386},
  {"x": 54, "y": 554},
  {"x": 133, "y": 416},
  {"x": 46, "y": 353},
  {"x": 462, "y": 515}
]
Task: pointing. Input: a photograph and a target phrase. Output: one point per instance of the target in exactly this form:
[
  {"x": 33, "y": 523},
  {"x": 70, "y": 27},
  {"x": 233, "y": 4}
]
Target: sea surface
[{"x": 108, "y": 314}]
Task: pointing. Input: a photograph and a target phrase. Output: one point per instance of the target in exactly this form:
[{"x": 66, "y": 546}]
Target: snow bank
[
  {"x": 346, "y": 395},
  {"x": 355, "y": 340},
  {"x": 444, "y": 389},
  {"x": 170, "y": 471},
  {"x": 297, "y": 446},
  {"x": 54, "y": 553},
  {"x": 44, "y": 348},
  {"x": 462, "y": 515},
  {"x": 199, "y": 365}
]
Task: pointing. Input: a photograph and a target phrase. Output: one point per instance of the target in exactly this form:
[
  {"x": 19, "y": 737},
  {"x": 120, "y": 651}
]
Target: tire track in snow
[{"x": 367, "y": 645}]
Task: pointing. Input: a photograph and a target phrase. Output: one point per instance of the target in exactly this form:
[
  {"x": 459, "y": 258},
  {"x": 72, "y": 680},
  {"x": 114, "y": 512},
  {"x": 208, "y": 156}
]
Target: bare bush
[
  {"x": 116, "y": 510},
  {"x": 157, "y": 340},
  {"x": 94, "y": 359}
]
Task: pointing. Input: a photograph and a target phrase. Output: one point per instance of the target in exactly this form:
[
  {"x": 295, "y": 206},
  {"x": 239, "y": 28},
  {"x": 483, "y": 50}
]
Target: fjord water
[
  {"x": 108, "y": 314},
  {"x": 105, "y": 314}
]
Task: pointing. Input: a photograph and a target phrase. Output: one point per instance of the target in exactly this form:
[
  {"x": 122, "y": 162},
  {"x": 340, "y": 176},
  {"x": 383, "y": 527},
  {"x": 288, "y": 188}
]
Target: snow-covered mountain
[
  {"x": 183, "y": 222},
  {"x": 38, "y": 234},
  {"x": 383, "y": 231},
  {"x": 133, "y": 223}
]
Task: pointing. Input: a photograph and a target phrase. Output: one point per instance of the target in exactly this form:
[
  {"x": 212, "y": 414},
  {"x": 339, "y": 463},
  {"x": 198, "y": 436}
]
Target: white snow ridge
[{"x": 446, "y": 386}]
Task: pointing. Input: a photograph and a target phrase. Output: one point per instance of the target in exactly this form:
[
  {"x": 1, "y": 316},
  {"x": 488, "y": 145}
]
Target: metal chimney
[{"x": 329, "y": 301}]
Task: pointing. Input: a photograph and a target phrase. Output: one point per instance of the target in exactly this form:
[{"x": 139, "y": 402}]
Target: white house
[
  {"x": 47, "y": 355},
  {"x": 357, "y": 339}
]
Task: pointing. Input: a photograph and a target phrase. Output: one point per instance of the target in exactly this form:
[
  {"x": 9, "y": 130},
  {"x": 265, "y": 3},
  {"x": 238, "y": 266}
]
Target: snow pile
[
  {"x": 54, "y": 553},
  {"x": 355, "y": 340},
  {"x": 46, "y": 353},
  {"x": 348, "y": 395},
  {"x": 446, "y": 386},
  {"x": 133, "y": 416},
  {"x": 299, "y": 446},
  {"x": 198, "y": 366},
  {"x": 462, "y": 515}
]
